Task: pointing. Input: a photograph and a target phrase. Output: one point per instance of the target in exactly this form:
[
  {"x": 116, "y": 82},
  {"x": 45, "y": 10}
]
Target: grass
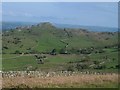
[
  {"x": 23, "y": 61},
  {"x": 58, "y": 62},
  {"x": 79, "y": 81}
]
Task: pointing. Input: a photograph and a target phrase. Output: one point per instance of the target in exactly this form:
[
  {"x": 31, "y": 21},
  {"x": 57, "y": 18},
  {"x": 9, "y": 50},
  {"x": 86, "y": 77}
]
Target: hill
[
  {"x": 44, "y": 37},
  {"x": 46, "y": 47}
]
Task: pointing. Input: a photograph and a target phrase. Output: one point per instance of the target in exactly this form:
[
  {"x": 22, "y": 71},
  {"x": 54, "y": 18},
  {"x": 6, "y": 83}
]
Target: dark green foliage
[
  {"x": 70, "y": 68},
  {"x": 5, "y": 47},
  {"x": 100, "y": 67},
  {"x": 96, "y": 62},
  {"x": 21, "y": 46},
  {"x": 30, "y": 51},
  {"x": 16, "y": 40},
  {"x": 85, "y": 51},
  {"x": 17, "y": 52},
  {"x": 81, "y": 66},
  {"x": 53, "y": 52},
  {"x": 63, "y": 51},
  {"x": 117, "y": 66}
]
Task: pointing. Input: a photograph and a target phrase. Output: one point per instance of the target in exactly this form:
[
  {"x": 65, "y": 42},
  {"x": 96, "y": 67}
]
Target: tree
[
  {"x": 117, "y": 66},
  {"x": 53, "y": 52}
]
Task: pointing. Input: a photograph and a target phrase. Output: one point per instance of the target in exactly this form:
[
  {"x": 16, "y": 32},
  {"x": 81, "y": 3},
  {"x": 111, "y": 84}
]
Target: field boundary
[{"x": 9, "y": 74}]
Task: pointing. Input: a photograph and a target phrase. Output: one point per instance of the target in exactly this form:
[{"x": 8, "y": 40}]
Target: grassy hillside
[
  {"x": 63, "y": 49},
  {"x": 45, "y": 37}
]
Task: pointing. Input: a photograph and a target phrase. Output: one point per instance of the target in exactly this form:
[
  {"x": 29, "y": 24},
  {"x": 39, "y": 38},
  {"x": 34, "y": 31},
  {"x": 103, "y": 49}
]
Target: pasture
[{"x": 60, "y": 61}]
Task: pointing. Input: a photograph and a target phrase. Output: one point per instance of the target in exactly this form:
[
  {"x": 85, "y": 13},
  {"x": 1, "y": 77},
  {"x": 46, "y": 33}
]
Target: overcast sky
[{"x": 92, "y": 14}]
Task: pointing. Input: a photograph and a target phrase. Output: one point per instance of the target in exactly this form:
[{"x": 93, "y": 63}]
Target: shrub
[
  {"x": 100, "y": 67},
  {"x": 96, "y": 62},
  {"x": 81, "y": 66},
  {"x": 86, "y": 59},
  {"x": 85, "y": 51},
  {"x": 101, "y": 51},
  {"x": 21, "y": 46},
  {"x": 17, "y": 52},
  {"x": 5, "y": 47},
  {"x": 117, "y": 66},
  {"x": 63, "y": 51},
  {"x": 53, "y": 52},
  {"x": 70, "y": 68}
]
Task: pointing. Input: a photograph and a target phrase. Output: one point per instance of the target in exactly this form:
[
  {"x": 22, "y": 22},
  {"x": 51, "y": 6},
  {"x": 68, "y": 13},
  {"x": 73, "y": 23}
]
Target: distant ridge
[
  {"x": 89, "y": 28},
  {"x": 12, "y": 25}
]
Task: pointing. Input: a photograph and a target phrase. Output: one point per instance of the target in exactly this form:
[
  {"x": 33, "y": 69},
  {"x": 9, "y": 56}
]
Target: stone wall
[{"x": 10, "y": 74}]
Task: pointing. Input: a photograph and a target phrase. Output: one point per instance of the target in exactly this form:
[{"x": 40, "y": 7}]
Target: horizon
[
  {"x": 34, "y": 23},
  {"x": 101, "y": 14},
  {"x": 13, "y": 25}
]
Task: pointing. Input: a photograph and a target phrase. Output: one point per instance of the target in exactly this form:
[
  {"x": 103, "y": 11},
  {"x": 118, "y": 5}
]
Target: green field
[{"x": 59, "y": 61}]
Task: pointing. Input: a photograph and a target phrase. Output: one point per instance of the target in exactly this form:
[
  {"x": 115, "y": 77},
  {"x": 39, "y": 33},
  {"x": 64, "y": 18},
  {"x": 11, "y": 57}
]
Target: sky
[{"x": 75, "y": 13}]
